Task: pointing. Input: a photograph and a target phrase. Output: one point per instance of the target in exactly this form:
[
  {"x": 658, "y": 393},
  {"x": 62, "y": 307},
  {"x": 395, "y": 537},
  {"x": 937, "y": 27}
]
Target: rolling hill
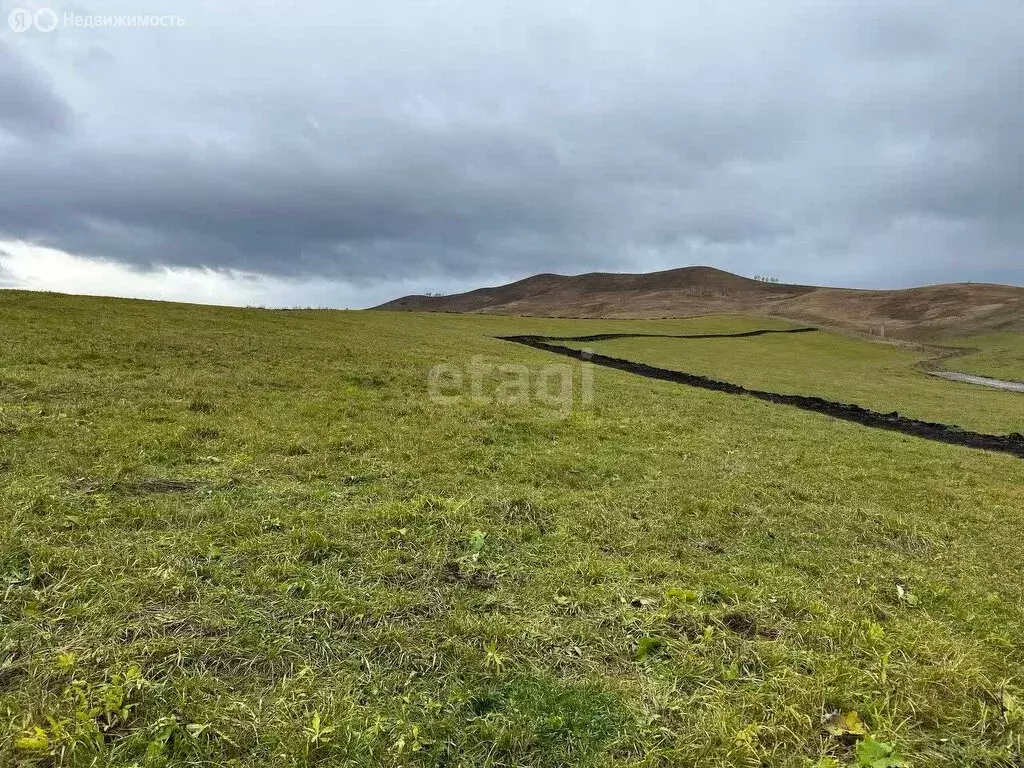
[{"x": 909, "y": 313}]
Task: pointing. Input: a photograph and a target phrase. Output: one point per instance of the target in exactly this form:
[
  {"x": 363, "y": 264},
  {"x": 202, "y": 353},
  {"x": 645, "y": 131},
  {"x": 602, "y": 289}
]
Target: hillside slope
[
  {"x": 953, "y": 308},
  {"x": 260, "y": 538}
]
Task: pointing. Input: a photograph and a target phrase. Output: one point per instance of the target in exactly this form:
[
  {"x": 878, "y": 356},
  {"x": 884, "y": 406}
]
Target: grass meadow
[
  {"x": 247, "y": 537},
  {"x": 879, "y": 376}
]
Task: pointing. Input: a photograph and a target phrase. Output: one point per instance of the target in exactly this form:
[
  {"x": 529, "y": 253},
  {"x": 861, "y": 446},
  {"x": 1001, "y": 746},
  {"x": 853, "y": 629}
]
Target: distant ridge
[{"x": 908, "y": 313}]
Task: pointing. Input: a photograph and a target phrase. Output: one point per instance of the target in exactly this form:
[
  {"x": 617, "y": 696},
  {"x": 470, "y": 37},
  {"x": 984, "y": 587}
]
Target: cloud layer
[{"x": 861, "y": 143}]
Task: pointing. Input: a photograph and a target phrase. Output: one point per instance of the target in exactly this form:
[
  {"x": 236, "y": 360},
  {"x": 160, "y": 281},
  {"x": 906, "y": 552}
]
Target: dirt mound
[{"x": 908, "y": 313}]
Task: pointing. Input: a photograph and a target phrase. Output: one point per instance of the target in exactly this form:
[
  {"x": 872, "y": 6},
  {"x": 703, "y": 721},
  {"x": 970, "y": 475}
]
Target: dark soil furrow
[
  {"x": 609, "y": 336},
  {"x": 943, "y": 433}
]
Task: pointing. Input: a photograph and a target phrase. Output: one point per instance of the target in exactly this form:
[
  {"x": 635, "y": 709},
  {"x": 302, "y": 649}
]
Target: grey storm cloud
[
  {"x": 865, "y": 143},
  {"x": 28, "y": 106}
]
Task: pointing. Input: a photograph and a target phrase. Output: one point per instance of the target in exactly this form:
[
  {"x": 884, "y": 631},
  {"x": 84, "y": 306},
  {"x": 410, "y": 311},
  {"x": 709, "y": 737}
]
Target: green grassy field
[
  {"x": 999, "y": 355},
  {"x": 882, "y": 377},
  {"x": 244, "y": 537}
]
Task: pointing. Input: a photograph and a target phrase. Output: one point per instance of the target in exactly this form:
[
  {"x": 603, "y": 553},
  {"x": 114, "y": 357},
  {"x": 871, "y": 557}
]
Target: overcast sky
[{"x": 340, "y": 154}]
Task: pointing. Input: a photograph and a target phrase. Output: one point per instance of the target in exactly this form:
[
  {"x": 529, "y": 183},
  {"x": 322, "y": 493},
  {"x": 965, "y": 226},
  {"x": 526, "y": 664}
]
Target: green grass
[
  {"x": 882, "y": 377},
  {"x": 999, "y": 355},
  {"x": 244, "y": 537}
]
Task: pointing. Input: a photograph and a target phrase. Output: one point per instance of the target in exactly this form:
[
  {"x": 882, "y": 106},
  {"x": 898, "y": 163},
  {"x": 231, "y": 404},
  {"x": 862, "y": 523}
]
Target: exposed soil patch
[
  {"x": 894, "y": 422},
  {"x": 144, "y": 485},
  {"x": 479, "y": 578},
  {"x": 710, "y": 546},
  {"x": 747, "y": 626}
]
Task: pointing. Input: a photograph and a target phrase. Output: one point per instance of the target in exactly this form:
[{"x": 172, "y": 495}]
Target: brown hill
[{"x": 908, "y": 313}]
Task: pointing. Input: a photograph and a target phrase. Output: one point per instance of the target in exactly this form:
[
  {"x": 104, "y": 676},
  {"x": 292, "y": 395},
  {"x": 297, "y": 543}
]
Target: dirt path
[
  {"x": 935, "y": 366},
  {"x": 968, "y": 378},
  {"x": 894, "y": 422}
]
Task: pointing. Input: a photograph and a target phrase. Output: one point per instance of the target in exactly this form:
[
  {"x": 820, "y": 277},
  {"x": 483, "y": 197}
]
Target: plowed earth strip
[{"x": 894, "y": 422}]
